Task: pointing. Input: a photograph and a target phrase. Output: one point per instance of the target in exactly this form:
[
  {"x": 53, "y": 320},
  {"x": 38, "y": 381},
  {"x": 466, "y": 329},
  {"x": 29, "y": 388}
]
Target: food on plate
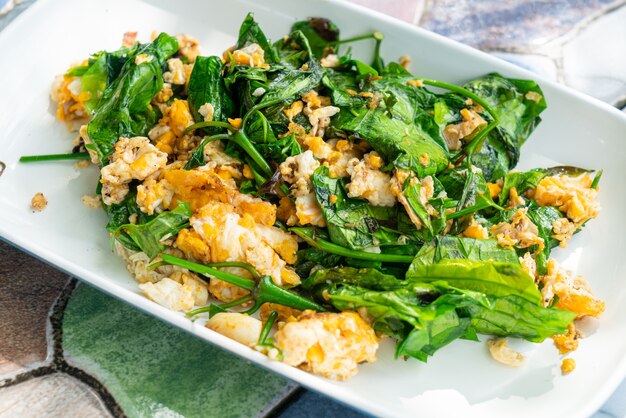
[
  {"x": 346, "y": 200},
  {"x": 38, "y": 202}
]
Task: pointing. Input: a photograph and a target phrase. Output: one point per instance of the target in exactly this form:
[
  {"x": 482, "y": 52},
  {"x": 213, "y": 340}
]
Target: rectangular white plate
[{"x": 461, "y": 379}]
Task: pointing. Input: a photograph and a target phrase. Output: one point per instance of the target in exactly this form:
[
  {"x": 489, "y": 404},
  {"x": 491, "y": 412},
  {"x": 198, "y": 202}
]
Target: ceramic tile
[
  {"x": 28, "y": 289},
  {"x": 10, "y": 9},
  {"x": 151, "y": 368},
  {"x": 52, "y": 396},
  {"x": 313, "y": 405},
  {"x": 594, "y": 61},
  {"x": 514, "y": 24}
]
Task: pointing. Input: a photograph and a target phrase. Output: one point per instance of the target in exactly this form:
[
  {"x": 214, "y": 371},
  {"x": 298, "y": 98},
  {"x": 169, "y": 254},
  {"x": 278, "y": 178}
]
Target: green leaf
[
  {"x": 494, "y": 278},
  {"x": 147, "y": 237},
  {"x": 469, "y": 188},
  {"x": 207, "y": 86},
  {"x": 398, "y": 142},
  {"x": 291, "y": 84},
  {"x": 364, "y": 277},
  {"x": 517, "y": 104},
  {"x": 249, "y": 33},
  {"x": 451, "y": 247},
  {"x": 352, "y": 223},
  {"x": 513, "y": 316},
  {"x": 446, "y": 327},
  {"x": 124, "y": 108},
  {"x": 522, "y": 181},
  {"x": 320, "y": 32}
]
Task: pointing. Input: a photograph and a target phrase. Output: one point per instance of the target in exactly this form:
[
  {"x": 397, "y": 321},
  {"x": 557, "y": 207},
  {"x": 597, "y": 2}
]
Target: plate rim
[{"x": 308, "y": 380}]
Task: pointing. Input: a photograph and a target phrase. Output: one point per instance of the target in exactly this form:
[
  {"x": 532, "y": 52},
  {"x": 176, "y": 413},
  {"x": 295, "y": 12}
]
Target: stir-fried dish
[{"x": 345, "y": 201}]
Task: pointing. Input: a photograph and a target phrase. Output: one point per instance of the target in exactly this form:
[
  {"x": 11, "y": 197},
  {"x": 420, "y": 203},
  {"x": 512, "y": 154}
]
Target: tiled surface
[
  {"x": 29, "y": 288},
  {"x": 52, "y": 395},
  {"x": 136, "y": 361},
  {"x": 101, "y": 358}
]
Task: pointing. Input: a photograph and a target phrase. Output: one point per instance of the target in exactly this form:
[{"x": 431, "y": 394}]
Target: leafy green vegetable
[
  {"x": 401, "y": 144},
  {"x": 517, "y": 103},
  {"x": 352, "y": 223},
  {"x": 494, "y": 278},
  {"x": 263, "y": 291},
  {"x": 147, "y": 237},
  {"x": 312, "y": 237},
  {"x": 249, "y": 33},
  {"x": 320, "y": 32},
  {"x": 451, "y": 247},
  {"x": 522, "y": 181},
  {"x": 468, "y": 187},
  {"x": 207, "y": 86},
  {"x": 101, "y": 70},
  {"x": 124, "y": 107}
]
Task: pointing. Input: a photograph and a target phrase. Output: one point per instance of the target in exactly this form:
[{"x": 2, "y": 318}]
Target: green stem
[
  {"x": 242, "y": 140},
  {"x": 54, "y": 157},
  {"x": 197, "y": 157},
  {"x": 309, "y": 236},
  {"x": 240, "y": 264},
  {"x": 378, "y": 62},
  {"x": 596, "y": 179},
  {"x": 224, "y": 306},
  {"x": 268, "y": 292},
  {"x": 213, "y": 123},
  {"x": 473, "y": 146},
  {"x": 378, "y": 36},
  {"x": 265, "y": 332},
  {"x": 265, "y": 291},
  {"x": 247, "y": 284}
]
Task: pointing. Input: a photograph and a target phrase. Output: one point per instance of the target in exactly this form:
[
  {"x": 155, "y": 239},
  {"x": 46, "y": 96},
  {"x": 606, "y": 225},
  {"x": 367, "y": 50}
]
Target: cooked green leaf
[{"x": 124, "y": 108}]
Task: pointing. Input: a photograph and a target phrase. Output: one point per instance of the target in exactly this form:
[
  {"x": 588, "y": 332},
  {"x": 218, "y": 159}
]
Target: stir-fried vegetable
[{"x": 291, "y": 176}]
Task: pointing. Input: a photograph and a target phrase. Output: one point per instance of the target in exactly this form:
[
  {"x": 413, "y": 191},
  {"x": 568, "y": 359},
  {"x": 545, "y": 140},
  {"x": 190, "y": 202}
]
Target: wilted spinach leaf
[
  {"x": 352, "y": 223},
  {"x": 123, "y": 109},
  {"x": 207, "y": 86}
]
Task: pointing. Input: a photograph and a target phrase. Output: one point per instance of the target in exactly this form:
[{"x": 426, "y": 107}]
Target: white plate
[{"x": 461, "y": 379}]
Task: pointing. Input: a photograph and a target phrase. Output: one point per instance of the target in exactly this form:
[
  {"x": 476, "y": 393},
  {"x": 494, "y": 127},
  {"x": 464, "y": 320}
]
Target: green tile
[{"x": 153, "y": 369}]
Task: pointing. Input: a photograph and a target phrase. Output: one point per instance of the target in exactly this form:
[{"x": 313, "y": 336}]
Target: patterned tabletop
[{"x": 62, "y": 351}]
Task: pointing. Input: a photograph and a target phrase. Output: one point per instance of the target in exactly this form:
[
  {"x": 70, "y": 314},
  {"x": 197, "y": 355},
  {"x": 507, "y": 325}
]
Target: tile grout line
[
  {"x": 61, "y": 365},
  {"x": 289, "y": 399},
  {"x": 56, "y": 362}
]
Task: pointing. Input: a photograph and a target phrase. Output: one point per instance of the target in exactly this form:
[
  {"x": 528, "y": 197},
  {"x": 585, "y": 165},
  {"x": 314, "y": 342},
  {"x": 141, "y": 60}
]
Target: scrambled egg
[
  {"x": 571, "y": 195},
  {"x": 566, "y": 343},
  {"x": 504, "y": 354},
  {"x": 563, "y": 231},
  {"x": 568, "y": 365},
  {"x": 188, "y": 47},
  {"x": 178, "y": 73},
  {"x": 233, "y": 236},
  {"x": 529, "y": 264},
  {"x": 237, "y": 326},
  {"x": 38, "y": 202},
  {"x": 181, "y": 292},
  {"x": 519, "y": 232},
  {"x": 133, "y": 159},
  {"x": 454, "y": 133},
  {"x": 574, "y": 293},
  {"x": 319, "y": 111},
  {"x": 67, "y": 93},
  {"x": 426, "y": 191},
  {"x": 476, "y": 230},
  {"x": 368, "y": 182},
  {"x": 252, "y": 55},
  {"x": 330, "y": 344},
  {"x": 297, "y": 171}
]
